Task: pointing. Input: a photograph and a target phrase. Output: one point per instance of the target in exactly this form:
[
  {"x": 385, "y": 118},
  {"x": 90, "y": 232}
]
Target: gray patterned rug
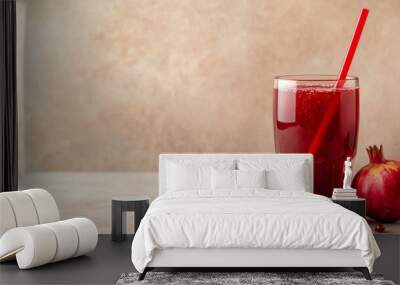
[{"x": 269, "y": 278}]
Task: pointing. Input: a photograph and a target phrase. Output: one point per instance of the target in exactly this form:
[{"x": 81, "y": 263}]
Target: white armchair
[{"x": 31, "y": 230}]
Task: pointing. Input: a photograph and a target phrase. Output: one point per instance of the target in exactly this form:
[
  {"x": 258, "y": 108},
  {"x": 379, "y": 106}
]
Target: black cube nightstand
[
  {"x": 356, "y": 205},
  {"x": 139, "y": 205}
]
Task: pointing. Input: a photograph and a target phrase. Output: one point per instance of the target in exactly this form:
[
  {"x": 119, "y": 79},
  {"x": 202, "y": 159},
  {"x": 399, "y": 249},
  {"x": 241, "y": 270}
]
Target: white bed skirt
[{"x": 190, "y": 257}]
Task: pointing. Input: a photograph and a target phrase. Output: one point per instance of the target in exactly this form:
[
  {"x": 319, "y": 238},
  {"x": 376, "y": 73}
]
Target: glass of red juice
[{"x": 300, "y": 104}]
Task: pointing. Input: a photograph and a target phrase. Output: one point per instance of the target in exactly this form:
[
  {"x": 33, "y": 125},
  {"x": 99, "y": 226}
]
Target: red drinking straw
[{"x": 334, "y": 102}]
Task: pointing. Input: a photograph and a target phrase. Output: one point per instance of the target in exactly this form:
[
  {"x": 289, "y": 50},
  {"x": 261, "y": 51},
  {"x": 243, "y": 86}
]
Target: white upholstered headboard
[{"x": 165, "y": 158}]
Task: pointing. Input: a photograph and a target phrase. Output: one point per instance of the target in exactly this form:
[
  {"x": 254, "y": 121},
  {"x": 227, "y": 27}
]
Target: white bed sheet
[{"x": 250, "y": 218}]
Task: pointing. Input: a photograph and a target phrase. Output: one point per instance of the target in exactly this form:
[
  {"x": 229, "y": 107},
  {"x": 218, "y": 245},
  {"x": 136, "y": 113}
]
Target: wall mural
[{"x": 108, "y": 85}]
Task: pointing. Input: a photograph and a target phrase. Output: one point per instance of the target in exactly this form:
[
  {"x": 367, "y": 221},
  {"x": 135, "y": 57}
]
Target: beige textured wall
[{"x": 109, "y": 84}]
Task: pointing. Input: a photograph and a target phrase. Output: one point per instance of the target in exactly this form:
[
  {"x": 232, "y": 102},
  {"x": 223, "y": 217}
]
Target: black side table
[
  {"x": 357, "y": 205},
  {"x": 139, "y": 205}
]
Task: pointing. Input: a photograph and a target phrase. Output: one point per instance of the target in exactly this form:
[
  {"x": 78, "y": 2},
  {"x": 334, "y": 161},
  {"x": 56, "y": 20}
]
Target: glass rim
[{"x": 313, "y": 77}]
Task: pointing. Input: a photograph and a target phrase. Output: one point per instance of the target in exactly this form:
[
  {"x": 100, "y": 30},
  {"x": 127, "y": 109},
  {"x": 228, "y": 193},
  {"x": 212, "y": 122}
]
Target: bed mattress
[{"x": 250, "y": 219}]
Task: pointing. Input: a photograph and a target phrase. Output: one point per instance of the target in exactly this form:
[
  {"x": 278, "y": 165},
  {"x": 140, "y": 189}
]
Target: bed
[{"x": 246, "y": 211}]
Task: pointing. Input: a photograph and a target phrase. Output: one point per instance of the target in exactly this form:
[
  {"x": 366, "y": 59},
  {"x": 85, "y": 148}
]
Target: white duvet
[{"x": 251, "y": 218}]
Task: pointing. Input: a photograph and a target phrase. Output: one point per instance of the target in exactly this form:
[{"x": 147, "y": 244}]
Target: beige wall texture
[{"x": 110, "y": 84}]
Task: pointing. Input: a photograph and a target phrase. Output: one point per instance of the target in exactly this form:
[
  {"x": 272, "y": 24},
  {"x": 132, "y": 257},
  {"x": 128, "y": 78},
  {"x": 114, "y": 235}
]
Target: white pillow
[
  {"x": 289, "y": 179},
  {"x": 251, "y": 178},
  {"x": 223, "y": 179},
  {"x": 183, "y": 177},
  {"x": 281, "y": 174},
  {"x": 236, "y": 179},
  {"x": 189, "y": 174}
]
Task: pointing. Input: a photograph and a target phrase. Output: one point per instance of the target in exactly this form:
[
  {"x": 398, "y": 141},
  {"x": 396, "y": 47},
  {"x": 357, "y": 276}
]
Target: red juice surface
[{"x": 298, "y": 112}]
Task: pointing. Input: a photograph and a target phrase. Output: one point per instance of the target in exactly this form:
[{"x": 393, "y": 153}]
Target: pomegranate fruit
[{"x": 379, "y": 183}]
